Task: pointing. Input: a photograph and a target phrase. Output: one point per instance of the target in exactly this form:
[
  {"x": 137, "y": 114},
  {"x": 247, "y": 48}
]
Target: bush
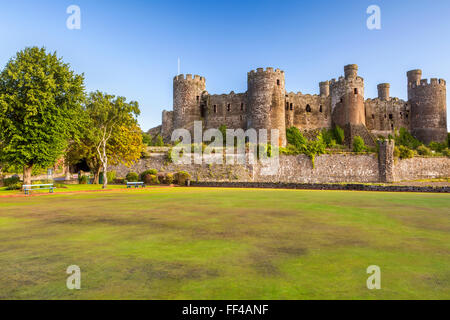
[
  {"x": 111, "y": 175},
  {"x": 14, "y": 186},
  {"x": 290, "y": 150},
  {"x": 396, "y": 152},
  {"x": 150, "y": 179},
  {"x": 405, "y": 152},
  {"x": 181, "y": 177},
  {"x": 328, "y": 138},
  {"x": 446, "y": 152},
  {"x": 295, "y": 137},
  {"x": 11, "y": 181},
  {"x": 404, "y": 138},
  {"x": 147, "y": 139},
  {"x": 436, "y": 146},
  {"x": 358, "y": 144},
  {"x": 132, "y": 177},
  {"x": 423, "y": 150},
  {"x": 314, "y": 148},
  {"x": 168, "y": 178},
  {"x": 339, "y": 135},
  {"x": 83, "y": 179},
  {"x": 150, "y": 171},
  {"x": 159, "y": 141}
]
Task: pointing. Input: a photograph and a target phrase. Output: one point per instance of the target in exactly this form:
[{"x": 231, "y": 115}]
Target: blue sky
[{"x": 130, "y": 48}]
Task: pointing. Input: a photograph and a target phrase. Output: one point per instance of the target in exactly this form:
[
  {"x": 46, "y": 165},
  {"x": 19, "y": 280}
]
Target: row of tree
[{"x": 45, "y": 114}]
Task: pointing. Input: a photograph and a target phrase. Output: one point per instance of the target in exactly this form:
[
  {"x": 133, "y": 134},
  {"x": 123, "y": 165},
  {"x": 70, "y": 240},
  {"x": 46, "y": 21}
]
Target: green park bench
[
  {"x": 28, "y": 188},
  {"x": 135, "y": 184}
]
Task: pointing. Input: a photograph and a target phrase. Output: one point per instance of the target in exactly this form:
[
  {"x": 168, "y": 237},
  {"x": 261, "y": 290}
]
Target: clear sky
[{"x": 131, "y": 48}]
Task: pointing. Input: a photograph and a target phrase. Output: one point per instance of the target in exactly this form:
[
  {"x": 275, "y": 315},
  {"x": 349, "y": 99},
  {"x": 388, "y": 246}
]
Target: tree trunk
[
  {"x": 105, "y": 166},
  {"x": 105, "y": 177},
  {"x": 27, "y": 175},
  {"x": 96, "y": 175}
]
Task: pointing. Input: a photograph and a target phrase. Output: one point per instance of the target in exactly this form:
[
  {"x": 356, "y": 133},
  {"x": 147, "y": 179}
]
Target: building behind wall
[{"x": 267, "y": 105}]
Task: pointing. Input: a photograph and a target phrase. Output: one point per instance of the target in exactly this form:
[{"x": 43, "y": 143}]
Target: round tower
[
  {"x": 187, "y": 93},
  {"x": 324, "y": 88},
  {"x": 414, "y": 77},
  {"x": 347, "y": 98},
  {"x": 428, "y": 108},
  {"x": 266, "y": 101},
  {"x": 383, "y": 91},
  {"x": 351, "y": 71}
]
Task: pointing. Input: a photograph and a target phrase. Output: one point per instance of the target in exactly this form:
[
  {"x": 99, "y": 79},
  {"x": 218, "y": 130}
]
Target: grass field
[{"x": 198, "y": 243}]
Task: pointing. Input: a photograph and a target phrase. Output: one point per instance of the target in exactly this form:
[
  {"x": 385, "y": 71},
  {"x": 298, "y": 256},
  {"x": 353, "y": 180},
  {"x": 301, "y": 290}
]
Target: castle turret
[
  {"x": 324, "y": 88},
  {"x": 347, "y": 98},
  {"x": 266, "y": 101},
  {"x": 383, "y": 91},
  {"x": 428, "y": 107},
  {"x": 351, "y": 71},
  {"x": 414, "y": 77},
  {"x": 187, "y": 94}
]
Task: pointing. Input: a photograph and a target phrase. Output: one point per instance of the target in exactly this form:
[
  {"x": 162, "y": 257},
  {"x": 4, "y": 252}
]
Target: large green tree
[
  {"x": 40, "y": 100},
  {"x": 114, "y": 126}
]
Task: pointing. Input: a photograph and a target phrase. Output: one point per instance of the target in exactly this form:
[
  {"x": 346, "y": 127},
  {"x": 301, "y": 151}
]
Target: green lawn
[{"x": 199, "y": 243}]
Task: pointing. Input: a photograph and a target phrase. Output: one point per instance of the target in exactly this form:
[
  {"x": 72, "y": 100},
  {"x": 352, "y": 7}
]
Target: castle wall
[
  {"x": 329, "y": 168},
  {"x": 307, "y": 112},
  {"x": 383, "y": 116},
  {"x": 422, "y": 168},
  {"x": 266, "y": 105},
  {"x": 227, "y": 109}
]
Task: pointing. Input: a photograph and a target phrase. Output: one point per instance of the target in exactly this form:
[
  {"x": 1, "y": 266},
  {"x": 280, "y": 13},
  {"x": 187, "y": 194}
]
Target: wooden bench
[
  {"x": 135, "y": 184},
  {"x": 28, "y": 188}
]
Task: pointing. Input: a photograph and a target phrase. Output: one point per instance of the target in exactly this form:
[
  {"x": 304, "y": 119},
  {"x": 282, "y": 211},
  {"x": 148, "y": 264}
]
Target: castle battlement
[
  {"x": 189, "y": 77},
  {"x": 262, "y": 71},
  {"x": 433, "y": 82}
]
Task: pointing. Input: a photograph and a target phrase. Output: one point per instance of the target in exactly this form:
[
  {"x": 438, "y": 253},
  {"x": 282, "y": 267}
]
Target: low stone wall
[
  {"x": 329, "y": 168},
  {"x": 418, "y": 168},
  {"x": 323, "y": 186},
  {"x": 199, "y": 172}
]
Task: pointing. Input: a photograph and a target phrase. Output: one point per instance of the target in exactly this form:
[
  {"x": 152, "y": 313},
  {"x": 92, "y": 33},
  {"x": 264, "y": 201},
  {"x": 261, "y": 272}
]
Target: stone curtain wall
[
  {"x": 328, "y": 168},
  {"x": 422, "y": 168}
]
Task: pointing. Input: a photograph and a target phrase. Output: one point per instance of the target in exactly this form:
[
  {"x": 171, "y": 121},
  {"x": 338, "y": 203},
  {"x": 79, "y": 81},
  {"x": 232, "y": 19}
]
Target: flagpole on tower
[{"x": 179, "y": 66}]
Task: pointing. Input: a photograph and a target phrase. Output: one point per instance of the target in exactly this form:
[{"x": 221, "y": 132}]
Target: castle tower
[
  {"x": 351, "y": 71},
  {"x": 266, "y": 101},
  {"x": 383, "y": 91},
  {"x": 347, "y": 98},
  {"x": 414, "y": 77},
  {"x": 187, "y": 96},
  {"x": 324, "y": 88},
  {"x": 428, "y": 107}
]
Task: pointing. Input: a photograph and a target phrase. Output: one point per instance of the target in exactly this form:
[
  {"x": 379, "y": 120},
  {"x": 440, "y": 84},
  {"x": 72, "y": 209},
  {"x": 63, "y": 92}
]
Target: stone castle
[{"x": 267, "y": 105}]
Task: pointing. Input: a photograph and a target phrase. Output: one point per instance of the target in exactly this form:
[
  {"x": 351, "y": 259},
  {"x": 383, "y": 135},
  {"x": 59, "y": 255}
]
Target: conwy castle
[{"x": 267, "y": 105}]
